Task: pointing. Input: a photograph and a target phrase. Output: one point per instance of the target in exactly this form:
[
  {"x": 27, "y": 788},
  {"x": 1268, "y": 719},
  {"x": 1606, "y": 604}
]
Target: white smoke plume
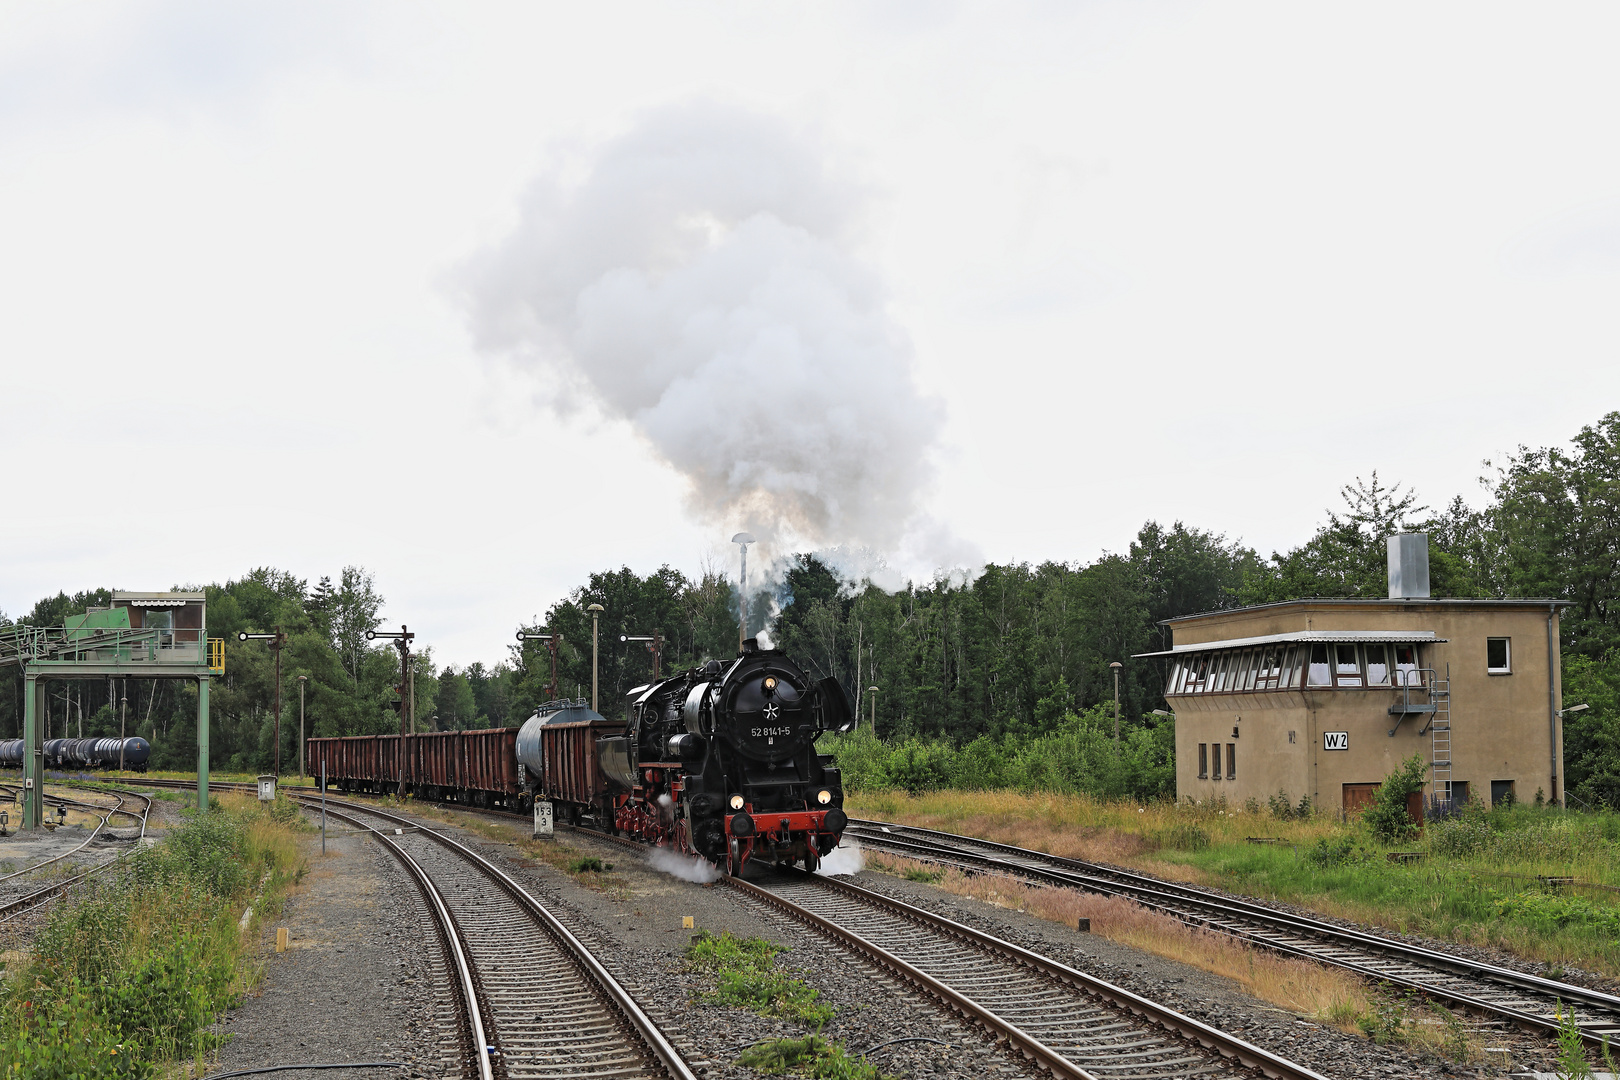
[
  {"x": 685, "y": 867},
  {"x": 846, "y": 858},
  {"x": 700, "y": 280}
]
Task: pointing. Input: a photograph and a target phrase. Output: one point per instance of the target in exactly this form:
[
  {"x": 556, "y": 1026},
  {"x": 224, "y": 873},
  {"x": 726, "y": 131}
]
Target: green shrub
[
  {"x": 1336, "y": 850},
  {"x": 1550, "y": 911},
  {"x": 745, "y": 975},
  {"x": 64, "y": 1034},
  {"x": 1387, "y": 817},
  {"x": 1077, "y": 755},
  {"x": 1460, "y": 837},
  {"x": 1391, "y": 1019},
  {"x": 811, "y": 1055},
  {"x": 136, "y": 969}
]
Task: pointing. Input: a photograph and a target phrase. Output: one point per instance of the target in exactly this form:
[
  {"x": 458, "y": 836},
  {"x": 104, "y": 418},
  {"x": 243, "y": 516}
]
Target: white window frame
[{"x": 1507, "y": 644}]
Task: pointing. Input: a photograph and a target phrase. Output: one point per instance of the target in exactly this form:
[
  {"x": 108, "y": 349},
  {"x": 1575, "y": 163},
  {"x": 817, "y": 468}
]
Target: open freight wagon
[{"x": 479, "y": 768}]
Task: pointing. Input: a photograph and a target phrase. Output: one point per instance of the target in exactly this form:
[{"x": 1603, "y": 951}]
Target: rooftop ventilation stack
[{"x": 1409, "y": 566}]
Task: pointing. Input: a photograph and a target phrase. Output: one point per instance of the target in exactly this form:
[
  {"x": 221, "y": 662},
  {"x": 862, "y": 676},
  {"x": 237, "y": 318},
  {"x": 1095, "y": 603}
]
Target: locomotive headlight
[
  {"x": 823, "y": 797},
  {"x": 736, "y": 802},
  {"x": 770, "y": 683}
]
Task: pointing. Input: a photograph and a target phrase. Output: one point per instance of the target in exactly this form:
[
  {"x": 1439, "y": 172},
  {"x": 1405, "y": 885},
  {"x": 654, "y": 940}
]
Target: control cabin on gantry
[{"x": 1324, "y": 698}]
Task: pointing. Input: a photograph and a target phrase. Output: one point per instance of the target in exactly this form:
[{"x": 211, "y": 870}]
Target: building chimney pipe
[{"x": 1409, "y": 566}]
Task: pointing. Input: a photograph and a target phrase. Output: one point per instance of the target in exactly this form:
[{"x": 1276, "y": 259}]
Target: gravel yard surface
[{"x": 361, "y": 979}]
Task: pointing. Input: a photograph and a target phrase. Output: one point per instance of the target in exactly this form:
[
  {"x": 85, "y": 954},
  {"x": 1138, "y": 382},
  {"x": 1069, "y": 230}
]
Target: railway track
[
  {"x": 1528, "y": 1001},
  {"x": 540, "y": 1004},
  {"x": 1069, "y": 1023},
  {"x": 29, "y": 901}
]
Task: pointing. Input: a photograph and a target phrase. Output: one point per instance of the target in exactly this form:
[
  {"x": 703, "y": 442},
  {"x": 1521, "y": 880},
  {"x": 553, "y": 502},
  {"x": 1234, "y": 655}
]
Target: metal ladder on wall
[{"x": 1439, "y": 730}]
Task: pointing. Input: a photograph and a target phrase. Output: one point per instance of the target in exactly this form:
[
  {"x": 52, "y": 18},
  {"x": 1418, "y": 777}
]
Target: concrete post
[
  {"x": 202, "y": 742},
  {"x": 33, "y": 752}
]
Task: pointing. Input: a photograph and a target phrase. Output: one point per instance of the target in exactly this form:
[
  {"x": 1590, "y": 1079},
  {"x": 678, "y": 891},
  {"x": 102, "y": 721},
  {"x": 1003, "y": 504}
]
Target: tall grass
[
  {"x": 1480, "y": 882},
  {"x": 132, "y": 973}
]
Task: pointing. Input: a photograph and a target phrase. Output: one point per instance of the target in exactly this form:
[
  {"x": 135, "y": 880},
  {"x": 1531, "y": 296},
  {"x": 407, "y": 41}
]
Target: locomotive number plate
[
  {"x": 771, "y": 732},
  {"x": 542, "y": 818}
]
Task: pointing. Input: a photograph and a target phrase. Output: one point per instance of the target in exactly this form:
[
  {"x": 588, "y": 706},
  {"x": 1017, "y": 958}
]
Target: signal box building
[{"x": 1325, "y": 698}]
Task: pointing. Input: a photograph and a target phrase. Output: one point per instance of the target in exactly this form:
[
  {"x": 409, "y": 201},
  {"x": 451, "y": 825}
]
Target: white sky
[{"x": 1179, "y": 261}]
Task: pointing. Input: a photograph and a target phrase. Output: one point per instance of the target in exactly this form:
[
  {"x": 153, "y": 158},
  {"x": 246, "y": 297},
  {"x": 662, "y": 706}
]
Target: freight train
[
  {"x": 718, "y": 761},
  {"x": 82, "y": 753}
]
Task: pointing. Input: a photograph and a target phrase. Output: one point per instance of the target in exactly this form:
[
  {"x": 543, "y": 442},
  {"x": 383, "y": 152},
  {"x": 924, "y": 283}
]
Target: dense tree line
[{"x": 1017, "y": 653}]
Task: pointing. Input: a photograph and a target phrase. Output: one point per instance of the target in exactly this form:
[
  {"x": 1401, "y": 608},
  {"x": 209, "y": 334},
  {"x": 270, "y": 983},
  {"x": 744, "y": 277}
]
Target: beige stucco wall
[{"x": 1499, "y": 723}]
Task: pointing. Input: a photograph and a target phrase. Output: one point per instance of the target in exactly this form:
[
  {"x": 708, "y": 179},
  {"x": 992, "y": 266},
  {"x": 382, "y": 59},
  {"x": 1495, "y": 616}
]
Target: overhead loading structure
[{"x": 142, "y": 635}]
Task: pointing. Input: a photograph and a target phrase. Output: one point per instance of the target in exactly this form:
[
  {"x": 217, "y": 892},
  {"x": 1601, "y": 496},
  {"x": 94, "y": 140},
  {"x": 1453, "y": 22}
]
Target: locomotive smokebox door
[
  {"x": 267, "y": 789},
  {"x": 542, "y": 819}
]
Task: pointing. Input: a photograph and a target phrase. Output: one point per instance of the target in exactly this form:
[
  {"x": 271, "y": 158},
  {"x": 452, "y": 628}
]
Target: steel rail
[
  {"x": 1226, "y": 914},
  {"x": 74, "y": 850},
  {"x": 454, "y": 945},
  {"x": 1242, "y": 1052},
  {"x": 660, "y": 1047},
  {"x": 1195, "y": 1031},
  {"x": 1028, "y": 1045},
  {"x": 14, "y": 908}
]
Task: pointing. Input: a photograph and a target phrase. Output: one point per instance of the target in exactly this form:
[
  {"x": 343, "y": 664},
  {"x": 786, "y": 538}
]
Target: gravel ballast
[
  {"x": 361, "y": 979},
  {"x": 378, "y": 996}
]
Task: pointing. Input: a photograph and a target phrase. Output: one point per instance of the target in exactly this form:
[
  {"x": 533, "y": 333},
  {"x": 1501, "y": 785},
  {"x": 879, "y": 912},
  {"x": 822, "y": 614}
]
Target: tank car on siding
[
  {"x": 720, "y": 761},
  {"x": 83, "y": 753}
]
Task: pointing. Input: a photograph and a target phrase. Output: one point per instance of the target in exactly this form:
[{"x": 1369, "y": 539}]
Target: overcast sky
[{"x": 486, "y": 297}]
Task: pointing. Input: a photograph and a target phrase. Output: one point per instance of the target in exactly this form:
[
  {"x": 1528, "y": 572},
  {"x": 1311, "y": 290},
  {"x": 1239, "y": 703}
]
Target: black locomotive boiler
[{"x": 720, "y": 761}]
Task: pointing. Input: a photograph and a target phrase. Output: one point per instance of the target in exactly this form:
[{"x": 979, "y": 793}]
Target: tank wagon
[
  {"x": 557, "y": 751},
  {"x": 718, "y": 761},
  {"x": 82, "y": 753}
]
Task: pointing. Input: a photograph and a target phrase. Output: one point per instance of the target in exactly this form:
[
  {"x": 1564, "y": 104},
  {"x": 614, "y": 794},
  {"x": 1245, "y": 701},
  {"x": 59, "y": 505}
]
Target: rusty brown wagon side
[
  {"x": 476, "y": 767},
  {"x": 557, "y": 748}
]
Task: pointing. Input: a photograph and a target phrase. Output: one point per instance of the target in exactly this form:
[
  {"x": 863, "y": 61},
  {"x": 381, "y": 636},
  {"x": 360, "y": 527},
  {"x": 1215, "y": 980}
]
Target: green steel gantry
[{"x": 143, "y": 635}]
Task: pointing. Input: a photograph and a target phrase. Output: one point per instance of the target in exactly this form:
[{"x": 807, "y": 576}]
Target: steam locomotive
[
  {"x": 717, "y": 761},
  {"x": 720, "y": 761}
]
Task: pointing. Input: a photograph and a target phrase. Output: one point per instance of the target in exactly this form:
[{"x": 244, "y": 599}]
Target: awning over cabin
[{"x": 1388, "y": 637}]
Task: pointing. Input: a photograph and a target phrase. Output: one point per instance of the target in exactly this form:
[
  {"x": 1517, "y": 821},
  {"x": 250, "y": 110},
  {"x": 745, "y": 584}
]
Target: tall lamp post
[
  {"x": 872, "y": 691},
  {"x": 402, "y": 642},
  {"x": 1116, "y": 665},
  {"x": 552, "y": 641},
  {"x": 302, "y": 680},
  {"x": 596, "y": 612},
  {"x": 743, "y": 540},
  {"x": 276, "y": 640},
  {"x": 655, "y": 645}
]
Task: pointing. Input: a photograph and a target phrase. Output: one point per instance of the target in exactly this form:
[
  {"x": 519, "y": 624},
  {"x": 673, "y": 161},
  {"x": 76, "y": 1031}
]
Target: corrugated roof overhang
[{"x": 1417, "y": 637}]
